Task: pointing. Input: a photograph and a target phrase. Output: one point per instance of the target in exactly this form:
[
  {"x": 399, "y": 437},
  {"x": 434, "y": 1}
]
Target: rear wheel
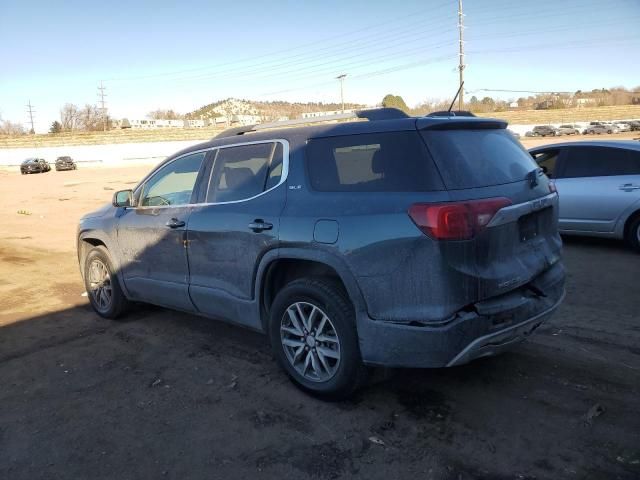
[
  {"x": 633, "y": 234},
  {"x": 102, "y": 285},
  {"x": 313, "y": 337}
]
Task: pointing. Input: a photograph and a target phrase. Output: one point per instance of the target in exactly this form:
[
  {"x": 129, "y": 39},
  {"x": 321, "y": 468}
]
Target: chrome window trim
[{"x": 283, "y": 177}]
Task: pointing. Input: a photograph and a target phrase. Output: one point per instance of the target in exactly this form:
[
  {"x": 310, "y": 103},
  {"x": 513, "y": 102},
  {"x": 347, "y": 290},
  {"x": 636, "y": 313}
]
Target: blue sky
[{"x": 181, "y": 55}]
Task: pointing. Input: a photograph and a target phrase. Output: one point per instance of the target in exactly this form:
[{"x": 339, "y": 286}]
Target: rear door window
[
  {"x": 378, "y": 162},
  {"x": 600, "y": 162},
  {"x": 244, "y": 171},
  {"x": 478, "y": 158}
]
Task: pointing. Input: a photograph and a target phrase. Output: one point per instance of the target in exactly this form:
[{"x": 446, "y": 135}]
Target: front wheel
[
  {"x": 102, "y": 286},
  {"x": 633, "y": 234},
  {"x": 313, "y": 336}
]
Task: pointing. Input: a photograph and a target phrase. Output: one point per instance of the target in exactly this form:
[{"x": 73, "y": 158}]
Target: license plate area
[{"x": 528, "y": 227}]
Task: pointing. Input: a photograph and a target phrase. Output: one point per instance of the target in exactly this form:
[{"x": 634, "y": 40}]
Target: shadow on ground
[{"x": 170, "y": 395}]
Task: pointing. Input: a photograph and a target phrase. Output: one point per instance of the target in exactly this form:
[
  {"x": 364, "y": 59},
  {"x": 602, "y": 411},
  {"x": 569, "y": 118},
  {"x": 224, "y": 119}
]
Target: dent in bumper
[{"x": 487, "y": 331}]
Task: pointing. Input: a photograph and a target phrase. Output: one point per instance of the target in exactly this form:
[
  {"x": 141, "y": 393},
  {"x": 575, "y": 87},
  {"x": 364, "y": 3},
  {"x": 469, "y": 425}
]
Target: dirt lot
[{"x": 169, "y": 395}]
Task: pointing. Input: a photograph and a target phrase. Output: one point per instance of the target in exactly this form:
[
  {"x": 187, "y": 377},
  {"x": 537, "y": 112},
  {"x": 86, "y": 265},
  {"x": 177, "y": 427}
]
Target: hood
[{"x": 99, "y": 212}]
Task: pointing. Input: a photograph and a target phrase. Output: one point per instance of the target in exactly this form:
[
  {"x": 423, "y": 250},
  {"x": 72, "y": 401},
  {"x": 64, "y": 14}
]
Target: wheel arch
[
  {"x": 630, "y": 219},
  {"x": 92, "y": 238},
  {"x": 627, "y": 217},
  {"x": 281, "y": 266}
]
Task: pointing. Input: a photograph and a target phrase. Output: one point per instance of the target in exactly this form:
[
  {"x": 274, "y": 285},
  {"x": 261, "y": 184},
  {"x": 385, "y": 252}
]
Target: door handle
[
  {"x": 175, "y": 223},
  {"x": 628, "y": 187},
  {"x": 258, "y": 225}
]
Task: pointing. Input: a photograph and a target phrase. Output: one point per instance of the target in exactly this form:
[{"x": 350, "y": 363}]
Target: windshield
[{"x": 478, "y": 158}]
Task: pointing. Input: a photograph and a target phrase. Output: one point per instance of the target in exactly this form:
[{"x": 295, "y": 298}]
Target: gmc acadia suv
[{"x": 398, "y": 241}]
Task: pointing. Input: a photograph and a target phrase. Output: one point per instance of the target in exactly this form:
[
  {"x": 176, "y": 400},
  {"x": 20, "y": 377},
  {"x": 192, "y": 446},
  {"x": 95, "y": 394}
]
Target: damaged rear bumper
[{"x": 494, "y": 325}]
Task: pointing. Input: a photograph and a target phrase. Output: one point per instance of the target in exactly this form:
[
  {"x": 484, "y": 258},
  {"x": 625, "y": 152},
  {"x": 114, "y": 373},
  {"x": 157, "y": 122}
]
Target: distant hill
[{"x": 267, "y": 110}]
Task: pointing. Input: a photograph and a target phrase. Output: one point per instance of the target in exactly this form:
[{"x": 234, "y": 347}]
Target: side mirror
[{"x": 123, "y": 198}]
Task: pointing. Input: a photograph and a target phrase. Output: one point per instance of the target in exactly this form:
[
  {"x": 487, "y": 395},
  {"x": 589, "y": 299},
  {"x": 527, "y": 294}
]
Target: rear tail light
[{"x": 455, "y": 220}]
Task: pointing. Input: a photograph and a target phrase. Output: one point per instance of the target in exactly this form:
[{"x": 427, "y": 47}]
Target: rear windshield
[
  {"x": 377, "y": 162},
  {"x": 478, "y": 158}
]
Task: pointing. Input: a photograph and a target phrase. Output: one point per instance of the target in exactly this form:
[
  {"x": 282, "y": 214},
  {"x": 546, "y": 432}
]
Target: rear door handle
[
  {"x": 175, "y": 223},
  {"x": 259, "y": 225},
  {"x": 628, "y": 187}
]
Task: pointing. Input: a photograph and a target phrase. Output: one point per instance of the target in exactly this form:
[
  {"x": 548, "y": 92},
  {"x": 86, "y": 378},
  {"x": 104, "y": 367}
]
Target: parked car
[
  {"x": 34, "y": 165},
  {"x": 599, "y": 187},
  {"x": 599, "y": 129},
  {"x": 568, "y": 129},
  {"x": 65, "y": 163},
  {"x": 623, "y": 126},
  {"x": 544, "y": 131},
  {"x": 349, "y": 244},
  {"x": 634, "y": 125},
  {"x": 515, "y": 134}
]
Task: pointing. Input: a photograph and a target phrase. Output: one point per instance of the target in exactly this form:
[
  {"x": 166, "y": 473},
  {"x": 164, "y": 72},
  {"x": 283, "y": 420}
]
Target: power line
[
  {"x": 103, "y": 109},
  {"x": 31, "y": 111},
  {"x": 461, "y": 64},
  {"x": 287, "y": 52}
]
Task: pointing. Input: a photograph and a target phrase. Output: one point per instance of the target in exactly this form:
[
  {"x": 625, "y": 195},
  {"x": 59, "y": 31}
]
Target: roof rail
[{"x": 371, "y": 114}]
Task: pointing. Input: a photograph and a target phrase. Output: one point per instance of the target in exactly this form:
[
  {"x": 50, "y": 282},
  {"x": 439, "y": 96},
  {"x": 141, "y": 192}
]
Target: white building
[
  {"x": 146, "y": 123},
  {"x": 325, "y": 113},
  {"x": 193, "y": 123}
]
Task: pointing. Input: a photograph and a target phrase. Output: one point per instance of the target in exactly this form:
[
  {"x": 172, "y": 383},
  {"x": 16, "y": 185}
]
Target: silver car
[
  {"x": 599, "y": 187},
  {"x": 601, "y": 128},
  {"x": 623, "y": 126},
  {"x": 568, "y": 129}
]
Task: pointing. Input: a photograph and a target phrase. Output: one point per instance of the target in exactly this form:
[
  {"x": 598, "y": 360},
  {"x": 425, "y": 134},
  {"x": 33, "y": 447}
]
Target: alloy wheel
[
  {"x": 310, "y": 342},
  {"x": 100, "y": 285}
]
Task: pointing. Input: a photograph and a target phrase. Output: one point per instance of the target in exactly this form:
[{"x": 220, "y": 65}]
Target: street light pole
[{"x": 341, "y": 78}]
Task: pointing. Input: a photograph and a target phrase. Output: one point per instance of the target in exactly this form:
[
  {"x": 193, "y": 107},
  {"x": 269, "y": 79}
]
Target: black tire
[
  {"x": 609, "y": 131},
  {"x": 633, "y": 234},
  {"x": 118, "y": 304},
  {"x": 330, "y": 298}
]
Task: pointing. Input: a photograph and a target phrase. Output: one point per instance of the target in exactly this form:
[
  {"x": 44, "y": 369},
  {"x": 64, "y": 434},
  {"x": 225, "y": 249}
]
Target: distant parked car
[
  {"x": 515, "y": 134},
  {"x": 599, "y": 187},
  {"x": 65, "y": 163},
  {"x": 544, "y": 131},
  {"x": 568, "y": 129},
  {"x": 34, "y": 165},
  {"x": 623, "y": 126},
  {"x": 600, "y": 129},
  {"x": 634, "y": 125}
]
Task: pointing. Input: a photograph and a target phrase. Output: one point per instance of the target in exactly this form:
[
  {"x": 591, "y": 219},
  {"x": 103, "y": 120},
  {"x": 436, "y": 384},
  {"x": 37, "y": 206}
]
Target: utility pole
[
  {"x": 31, "y": 111},
  {"x": 341, "y": 78},
  {"x": 103, "y": 109},
  {"x": 461, "y": 54}
]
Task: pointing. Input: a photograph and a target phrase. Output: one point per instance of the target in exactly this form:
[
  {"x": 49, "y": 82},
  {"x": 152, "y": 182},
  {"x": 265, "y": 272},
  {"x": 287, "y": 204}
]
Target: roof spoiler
[
  {"x": 459, "y": 123},
  {"x": 371, "y": 114},
  {"x": 452, "y": 113}
]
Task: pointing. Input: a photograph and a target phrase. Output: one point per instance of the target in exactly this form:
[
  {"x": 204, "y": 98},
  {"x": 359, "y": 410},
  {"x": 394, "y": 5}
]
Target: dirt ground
[{"x": 169, "y": 395}]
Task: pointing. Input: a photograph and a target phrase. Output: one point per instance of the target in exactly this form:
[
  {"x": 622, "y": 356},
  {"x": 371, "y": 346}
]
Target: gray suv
[{"x": 397, "y": 241}]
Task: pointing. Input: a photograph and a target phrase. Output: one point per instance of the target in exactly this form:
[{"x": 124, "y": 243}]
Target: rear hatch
[{"x": 514, "y": 236}]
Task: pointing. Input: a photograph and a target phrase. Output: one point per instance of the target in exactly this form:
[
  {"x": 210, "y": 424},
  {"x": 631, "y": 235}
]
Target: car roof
[
  {"x": 304, "y": 133},
  {"x": 628, "y": 144}
]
